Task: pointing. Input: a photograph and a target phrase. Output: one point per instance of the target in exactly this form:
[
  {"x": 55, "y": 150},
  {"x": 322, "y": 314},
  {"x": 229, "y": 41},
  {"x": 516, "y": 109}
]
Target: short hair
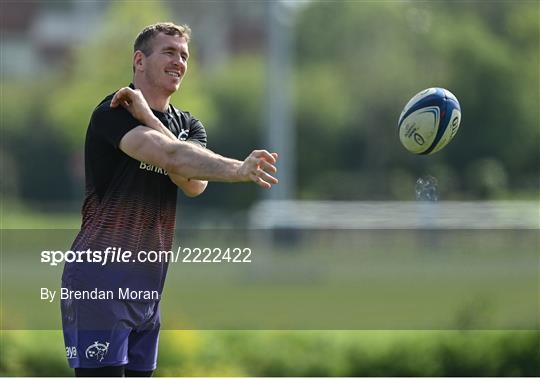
[{"x": 143, "y": 42}]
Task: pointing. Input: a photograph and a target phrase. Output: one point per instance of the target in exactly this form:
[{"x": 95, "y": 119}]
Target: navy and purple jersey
[{"x": 129, "y": 205}]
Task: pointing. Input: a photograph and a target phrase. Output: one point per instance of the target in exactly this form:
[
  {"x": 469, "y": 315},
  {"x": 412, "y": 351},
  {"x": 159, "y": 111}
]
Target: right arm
[
  {"x": 178, "y": 157},
  {"x": 190, "y": 187},
  {"x": 184, "y": 158}
]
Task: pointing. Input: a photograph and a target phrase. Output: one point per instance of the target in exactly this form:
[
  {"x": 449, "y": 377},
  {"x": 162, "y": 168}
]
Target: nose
[{"x": 179, "y": 63}]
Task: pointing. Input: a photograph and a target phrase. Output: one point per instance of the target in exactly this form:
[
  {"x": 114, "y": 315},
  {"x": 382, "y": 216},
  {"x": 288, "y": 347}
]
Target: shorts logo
[
  {"x": 71, "y": 352},
  {"x": 97, "y": 351}
]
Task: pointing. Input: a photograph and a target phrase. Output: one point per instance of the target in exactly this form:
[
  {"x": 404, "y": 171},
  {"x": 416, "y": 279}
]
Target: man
[{"x": 138, "y": 150}]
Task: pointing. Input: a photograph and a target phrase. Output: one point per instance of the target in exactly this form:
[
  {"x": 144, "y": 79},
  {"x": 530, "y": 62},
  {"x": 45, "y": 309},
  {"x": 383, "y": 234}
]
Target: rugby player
[{"x": 139, "y": 149}]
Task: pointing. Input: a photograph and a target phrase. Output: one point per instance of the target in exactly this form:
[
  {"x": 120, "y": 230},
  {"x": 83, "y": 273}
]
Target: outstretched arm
[{"x": 183, "y": 158}]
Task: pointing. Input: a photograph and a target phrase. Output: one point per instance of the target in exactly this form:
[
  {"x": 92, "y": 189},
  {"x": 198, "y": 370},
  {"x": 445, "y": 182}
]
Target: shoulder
[
  {"x": 192, "y": 126},
  {"x": 185, "y": 116},
  {"x": 104, "y": 114},
  {"x": 111, "y": 124},
  {"x": 187, "y": 120}
]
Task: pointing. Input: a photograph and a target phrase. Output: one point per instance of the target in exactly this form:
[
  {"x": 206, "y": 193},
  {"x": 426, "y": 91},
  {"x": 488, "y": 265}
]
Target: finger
[
  {"x": 125, "y": 91},
  {"x": 114, "y": 101},
  {"x": 121, "y": 94},
  {"x": 117, "y": 99},
  {"x": 264, "y": 165},
  {"x": 256, "y": 178},
  {"x": 264, "y": 155},
  {"x": 266, "y": 177},
  {"x": 275, "y": 155},
  {"x": 262, "y": 183}
]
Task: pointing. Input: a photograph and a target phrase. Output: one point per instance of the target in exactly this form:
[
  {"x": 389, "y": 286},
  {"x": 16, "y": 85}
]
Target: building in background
[{"x": 38, "y": 37}]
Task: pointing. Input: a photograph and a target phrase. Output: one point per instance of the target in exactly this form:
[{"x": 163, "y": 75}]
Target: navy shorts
[{"x": 100, "y": 333}]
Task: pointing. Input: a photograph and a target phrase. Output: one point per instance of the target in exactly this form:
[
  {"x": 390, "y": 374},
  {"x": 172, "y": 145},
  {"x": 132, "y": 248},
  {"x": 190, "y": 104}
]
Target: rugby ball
[{"x": 429, "y": 121}]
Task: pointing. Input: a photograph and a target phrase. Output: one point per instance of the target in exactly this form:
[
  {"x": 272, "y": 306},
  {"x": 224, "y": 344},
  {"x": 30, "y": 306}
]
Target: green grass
[
  {"x": 17, "y": 216},
  {"x": 450, "y": 278},
  {"x": 383, "y": 285},
  {"x": 307, "y": 353}
]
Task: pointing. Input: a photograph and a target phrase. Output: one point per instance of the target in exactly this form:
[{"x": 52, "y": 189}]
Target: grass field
[
  {"x": 469, "y": 301},
  {"x": 303, "y": 353},
  {"x": 17, "y": 216}
]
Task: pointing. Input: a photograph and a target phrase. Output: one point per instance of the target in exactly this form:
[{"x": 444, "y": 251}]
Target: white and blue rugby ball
[{"x": 429, "y": 121}]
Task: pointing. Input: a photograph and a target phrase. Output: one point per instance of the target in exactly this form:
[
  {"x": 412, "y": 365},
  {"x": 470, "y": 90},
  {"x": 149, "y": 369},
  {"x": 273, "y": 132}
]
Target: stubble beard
[{"x": 160, "y": 84}]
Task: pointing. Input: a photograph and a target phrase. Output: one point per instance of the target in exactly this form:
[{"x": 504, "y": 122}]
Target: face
[{"x": 166, "y": 66}]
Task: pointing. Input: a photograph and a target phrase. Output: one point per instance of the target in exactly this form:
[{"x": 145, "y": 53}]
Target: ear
[{"x": 138, "y": 60}]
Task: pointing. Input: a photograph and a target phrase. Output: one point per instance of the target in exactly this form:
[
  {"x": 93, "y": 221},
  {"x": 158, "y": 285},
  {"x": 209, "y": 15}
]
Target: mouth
[{"x": 174, "y": 74}]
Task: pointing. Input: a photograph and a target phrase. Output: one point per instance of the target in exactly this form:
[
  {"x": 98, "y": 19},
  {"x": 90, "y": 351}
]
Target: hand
[
  {"x": 257, "y": 168},
  {"x": 134, "y": 101}
]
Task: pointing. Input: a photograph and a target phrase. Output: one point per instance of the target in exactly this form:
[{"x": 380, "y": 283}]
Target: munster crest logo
[{"x": 97, "y": 351}]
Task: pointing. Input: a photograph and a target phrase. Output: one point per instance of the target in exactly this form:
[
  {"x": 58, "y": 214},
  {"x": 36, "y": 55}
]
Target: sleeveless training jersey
[{"x": 129, "y": 205}]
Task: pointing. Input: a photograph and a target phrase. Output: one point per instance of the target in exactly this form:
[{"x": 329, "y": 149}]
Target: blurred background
[
  {"x": 323, "y": 84},
  {"x": 346, "y": 69}
]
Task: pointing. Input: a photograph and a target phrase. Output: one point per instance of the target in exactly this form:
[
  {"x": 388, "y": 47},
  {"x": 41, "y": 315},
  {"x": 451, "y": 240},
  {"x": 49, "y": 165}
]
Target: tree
[{"x": 104, "y": 64}]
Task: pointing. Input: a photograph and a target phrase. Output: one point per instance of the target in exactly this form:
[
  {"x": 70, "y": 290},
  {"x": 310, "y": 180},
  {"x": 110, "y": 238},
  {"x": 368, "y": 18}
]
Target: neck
[{"x": 156, "y": 99}]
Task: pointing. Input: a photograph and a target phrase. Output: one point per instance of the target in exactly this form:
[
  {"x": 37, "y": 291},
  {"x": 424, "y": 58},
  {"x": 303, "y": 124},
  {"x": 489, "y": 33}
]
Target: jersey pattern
[{"x": 129, "y": 205}]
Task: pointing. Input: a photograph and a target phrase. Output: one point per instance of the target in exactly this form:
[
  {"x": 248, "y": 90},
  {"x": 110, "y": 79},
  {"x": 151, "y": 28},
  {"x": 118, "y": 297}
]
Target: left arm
[{"x": 190, "y": 187}]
